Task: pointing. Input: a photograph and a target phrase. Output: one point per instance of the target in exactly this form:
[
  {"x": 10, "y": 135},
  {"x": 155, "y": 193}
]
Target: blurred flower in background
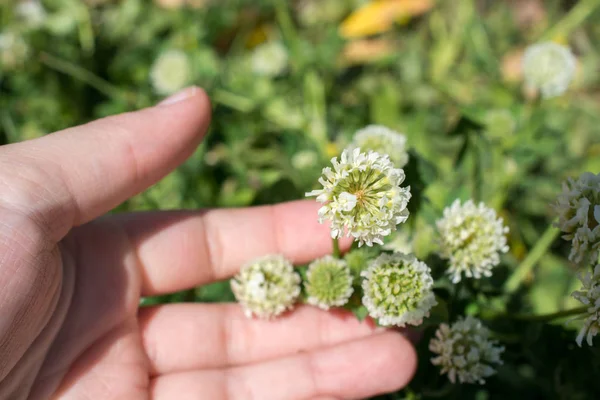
[
  {"x": 269, "y": 59},
  {"x": 382, "y": 140},
  {"x": 14, "y": 51},
  {"x": 32, "y": 13},
  {"x": 170, "y": 72},
  {"x": 549, "y": 67}
]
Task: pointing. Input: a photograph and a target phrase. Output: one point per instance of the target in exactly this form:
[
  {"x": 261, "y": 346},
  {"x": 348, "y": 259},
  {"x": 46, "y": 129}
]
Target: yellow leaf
[{"x": 379, "y": 15}]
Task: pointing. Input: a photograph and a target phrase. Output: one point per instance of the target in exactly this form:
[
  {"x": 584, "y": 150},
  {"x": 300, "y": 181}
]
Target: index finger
[{"x": 183, "y": 249}]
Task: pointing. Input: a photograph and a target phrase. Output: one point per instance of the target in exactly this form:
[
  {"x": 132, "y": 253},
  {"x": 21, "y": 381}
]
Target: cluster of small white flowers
[
  {"x": 170, "y": 72},
  {"x": 329, "y": 283},
  {"x": 362, "y": 196},
  {"x": 589, "y": 296},
  {"x": 549, "y": 67},
  {"x": 472, "y": 238},
  {"x": 382, "y": 140},
  {"x": 266, "y": 287},
  {"x": 269, "y": 59},
  {"x": 32, "y": 12},
  {"x": 465, "y": 351},
  {"x": 578, "y": 209},
  {"x": 397, "y": 290}
]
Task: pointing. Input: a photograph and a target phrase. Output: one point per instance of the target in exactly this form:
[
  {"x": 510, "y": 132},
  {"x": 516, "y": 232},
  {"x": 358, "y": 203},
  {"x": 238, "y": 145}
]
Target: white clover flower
[
  {"x": 471, "y": 238},
  {"x": 383, "y": 140},
  {"x": 170, "y": 72},
  {"x": 465, "y": 351},
  {"x": 329, "y": 283},
  {"x": 13, "y": 50},
  {"x": 549, "y": 67},
  {"x": 362, "y": 196},
  {"x": 397, "y": 290},
  {"x": 266, "y": 287},
  {"x": 304, "y": 159},
  {"x": 589, "y": 295},
  {"x": 32, "y": 12},
  {"x": 578, "y": 210},
  {"x": 269, "y": 59}
]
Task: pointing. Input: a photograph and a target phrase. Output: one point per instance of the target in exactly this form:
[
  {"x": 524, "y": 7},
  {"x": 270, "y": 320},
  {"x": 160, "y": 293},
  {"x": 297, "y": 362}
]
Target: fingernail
[{"x": 179, "y": 96}]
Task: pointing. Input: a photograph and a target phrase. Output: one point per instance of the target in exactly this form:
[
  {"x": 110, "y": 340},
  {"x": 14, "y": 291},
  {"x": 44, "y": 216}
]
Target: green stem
[
  {"x": 534, "y": 256},
  {"x": 232, "y": 100},
  {"x": 572, "y": 20},
  {"x": 336, "y": 248},
  {"x": 542, "y": 317},
  {"x": 82, "y": 74}
]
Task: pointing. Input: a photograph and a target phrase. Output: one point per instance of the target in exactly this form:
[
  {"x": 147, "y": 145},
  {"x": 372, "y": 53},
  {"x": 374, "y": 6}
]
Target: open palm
[{"x": 70, "y": 326}]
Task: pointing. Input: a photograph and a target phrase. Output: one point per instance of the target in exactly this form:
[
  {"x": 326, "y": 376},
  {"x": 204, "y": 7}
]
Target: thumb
[{"x": 73, "y": 176}]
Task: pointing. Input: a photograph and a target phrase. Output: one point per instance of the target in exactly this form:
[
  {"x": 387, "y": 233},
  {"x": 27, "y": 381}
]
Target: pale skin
[{"x": 71, "y": 280}]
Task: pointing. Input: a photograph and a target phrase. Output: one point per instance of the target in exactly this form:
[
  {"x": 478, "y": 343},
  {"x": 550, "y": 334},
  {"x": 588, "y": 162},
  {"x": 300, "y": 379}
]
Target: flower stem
[
  {"x": 527, "y": 265},
  {"x": 83, "y": 75},
  {"x": 336, "y": 248},
  {"x": 542, "y": 317}
]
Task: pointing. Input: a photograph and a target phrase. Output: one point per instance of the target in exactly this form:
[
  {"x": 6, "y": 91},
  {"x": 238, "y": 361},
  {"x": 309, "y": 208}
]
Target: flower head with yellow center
[
  {"x": 398, "y": 290},
  {"x": 266, "y": 287},
  {"x": 362, "y": 196},
  {"x": 465, "y": 351}
]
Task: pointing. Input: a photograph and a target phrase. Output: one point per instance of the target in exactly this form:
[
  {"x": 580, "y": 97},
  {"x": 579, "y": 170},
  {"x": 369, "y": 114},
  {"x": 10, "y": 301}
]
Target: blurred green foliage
[{"x": 449, "y": 80}]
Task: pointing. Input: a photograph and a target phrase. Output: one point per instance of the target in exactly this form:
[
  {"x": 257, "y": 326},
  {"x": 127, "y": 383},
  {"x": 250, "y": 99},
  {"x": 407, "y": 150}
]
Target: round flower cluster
[
  {"x": 549, "y": 67},
  {"x": 384, "y": 141},
  {"x": 13, "y": 51},
  {"x": 329, "y": 283},
  {"x": 465, "y": 351},
  {"x": 269, "y": 59},
  {"x": 471, "y": 237},
  {"x": 397, "y": 290},
  {"x": 170, "y": 72},
  {"x": 578, "y": 209},
  {"x": 589, "y": 295},
  {"x": 266, "y": 287},
  {"x": 362, "y": 196}
]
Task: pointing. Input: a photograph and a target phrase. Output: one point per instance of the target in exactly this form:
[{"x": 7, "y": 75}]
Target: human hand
[{"x": 70, "y": 326}]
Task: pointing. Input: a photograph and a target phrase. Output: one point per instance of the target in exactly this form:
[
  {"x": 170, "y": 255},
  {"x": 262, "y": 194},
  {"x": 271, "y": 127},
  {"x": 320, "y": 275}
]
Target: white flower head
[
  {"x": 304, "y": 159},
  {"x": 578, "y": 210},
  {"x": 266, "y": 287},
  {"x": 549, "y": 67},
  {"x": 362, "y": 196},
  {"x": 32, "y": 12},
  {"x": 398, "y": 290},
  {"x": 471, "y": 238},
  {"x": 13, "y": 50},
  {"x": 170, "y": 72},
  {"x": 465, "y": 351},
  {"x": 328, "y": 283},
  {"x": 269, "y": 59},
  {"x": 383, "y": 140},
  {"x": 589, "y": 296}
]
